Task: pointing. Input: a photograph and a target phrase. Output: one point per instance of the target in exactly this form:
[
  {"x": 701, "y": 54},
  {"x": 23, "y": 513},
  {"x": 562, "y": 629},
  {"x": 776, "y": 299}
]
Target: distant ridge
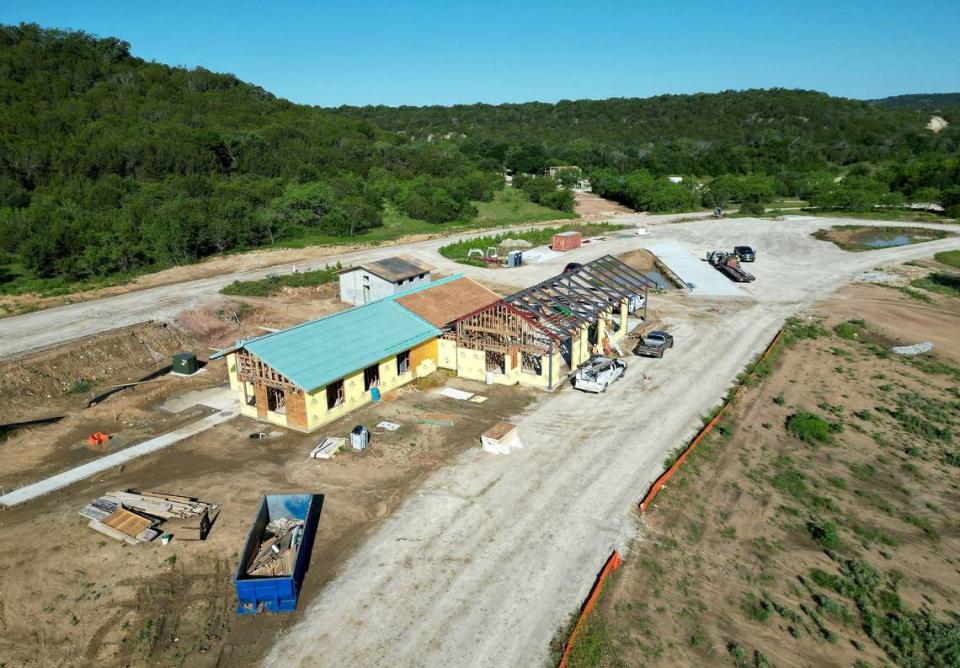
[{"x": 925, "y": 101}]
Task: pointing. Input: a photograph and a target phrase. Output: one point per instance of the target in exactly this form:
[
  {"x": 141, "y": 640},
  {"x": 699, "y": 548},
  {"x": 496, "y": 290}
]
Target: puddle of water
[{"x": 888, "y": 242}]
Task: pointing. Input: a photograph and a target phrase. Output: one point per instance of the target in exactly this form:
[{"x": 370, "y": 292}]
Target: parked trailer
[
  {"x": 256, "y": 594},
  {"x": 729, "y": 264}
]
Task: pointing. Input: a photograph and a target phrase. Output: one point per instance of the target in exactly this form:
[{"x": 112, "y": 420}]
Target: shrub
[
  {"x": 752, "y": 209},
  {"x": 824, "y": 534},
  {"x": 848, "y": 330},
  {"x": 272, "y": 285},
  {"x": 756, "y": 609},
  {"x": 80, "y": 385},
  {"x": 810, "y": 428}
]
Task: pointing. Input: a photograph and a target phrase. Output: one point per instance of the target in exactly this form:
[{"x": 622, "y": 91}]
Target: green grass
[
  {"x": 850, "y": 330},
  {"x": 941, "y": 283},
  {"x": 15, "y": 279},
  {"x": 949, "y": 258},
  {"x": 811, "y": 428},
  {"x": 508, "y": 207},
  {"x": 272, "y": 285},
  {"x": 538, "y": 236}
]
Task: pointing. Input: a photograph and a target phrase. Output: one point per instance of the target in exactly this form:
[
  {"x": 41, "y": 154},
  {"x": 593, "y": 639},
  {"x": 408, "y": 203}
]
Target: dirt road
[
  {"x": 487, "y": 559},
  {"x": 42, "y": 329}
]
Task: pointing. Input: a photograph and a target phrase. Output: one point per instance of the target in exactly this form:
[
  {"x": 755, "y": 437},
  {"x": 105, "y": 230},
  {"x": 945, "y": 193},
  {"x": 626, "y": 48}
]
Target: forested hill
[
  {"x": 754, "y": 130},
  {"x": 111, "y": 166},
  {"x": 924, "y": 101}
]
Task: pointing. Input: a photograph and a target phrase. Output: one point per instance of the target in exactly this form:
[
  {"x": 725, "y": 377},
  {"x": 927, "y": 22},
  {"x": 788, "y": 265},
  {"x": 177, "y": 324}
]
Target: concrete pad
[
  {"x": 698, "y": 274},
  {"x": 540, "y": 254},
  {"x": 220, "y": 398},
  {"x": 59, "y": 481}
]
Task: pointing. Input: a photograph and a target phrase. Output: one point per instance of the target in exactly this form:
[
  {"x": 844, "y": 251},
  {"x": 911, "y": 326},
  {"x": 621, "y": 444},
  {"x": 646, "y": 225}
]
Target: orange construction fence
[
  {"x": 666, "y": 475},
  {"x": 613, "y": 563}
]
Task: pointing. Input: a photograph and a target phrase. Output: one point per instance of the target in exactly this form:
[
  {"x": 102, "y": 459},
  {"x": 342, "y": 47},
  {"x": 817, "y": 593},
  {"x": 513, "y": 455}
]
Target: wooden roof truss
[
  {"x": 563, "y": 303},
  {"x": 502, "y": 328}
]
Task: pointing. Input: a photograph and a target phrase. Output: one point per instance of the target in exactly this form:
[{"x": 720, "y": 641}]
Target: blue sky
[{"x": 435, "y": 52}]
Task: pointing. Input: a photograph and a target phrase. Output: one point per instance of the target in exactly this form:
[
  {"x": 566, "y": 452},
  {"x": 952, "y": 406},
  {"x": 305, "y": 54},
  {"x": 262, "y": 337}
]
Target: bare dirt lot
[
  {"x": 594, "y": 207},
  {"x": 71, "y": 597},
  {"x": 818, "y": 525}
]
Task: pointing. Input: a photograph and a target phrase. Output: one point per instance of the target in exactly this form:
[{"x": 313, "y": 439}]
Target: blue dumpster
[{"x": 277, "y": 594}]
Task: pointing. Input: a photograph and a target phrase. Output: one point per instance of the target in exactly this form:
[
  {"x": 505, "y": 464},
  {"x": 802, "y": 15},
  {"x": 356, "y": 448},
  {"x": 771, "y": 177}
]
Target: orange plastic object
[
  {"x": 97, "y": 438},
  {"x": 612, "y": 564}
]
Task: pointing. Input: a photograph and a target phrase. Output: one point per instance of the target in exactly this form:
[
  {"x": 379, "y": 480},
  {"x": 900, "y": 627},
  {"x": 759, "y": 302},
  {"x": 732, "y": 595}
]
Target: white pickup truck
[{"x": 598, "y": 374}]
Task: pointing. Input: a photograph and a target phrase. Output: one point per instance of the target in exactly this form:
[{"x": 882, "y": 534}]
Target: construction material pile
[
  {"x": 135, "y": 517},
  {"x": 278, "y": 548}
]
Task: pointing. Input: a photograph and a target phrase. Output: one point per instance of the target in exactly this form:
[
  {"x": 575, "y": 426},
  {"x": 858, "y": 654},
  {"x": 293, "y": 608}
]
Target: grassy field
[
  {"x": 815, "y": 526},
  {"x": 540, "y": 236},
  {"x": 949, "y": 258},
  {"x": 272, "y": 285},
  {"x": 16, "y": 280},
  {"x": 508, "y": 207}
]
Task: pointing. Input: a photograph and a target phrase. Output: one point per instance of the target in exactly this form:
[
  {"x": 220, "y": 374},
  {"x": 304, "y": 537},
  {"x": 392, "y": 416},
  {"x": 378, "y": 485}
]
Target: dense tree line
[
  {"x": 110, "y": 164},
  {"x": 754, "y": 131}
]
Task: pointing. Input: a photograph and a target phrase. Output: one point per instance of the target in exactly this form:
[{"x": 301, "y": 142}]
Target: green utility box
[{"x": 185, "y": 364}]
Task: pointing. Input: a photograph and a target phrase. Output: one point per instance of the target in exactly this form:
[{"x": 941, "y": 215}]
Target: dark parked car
[
  {"x": 654, "y": 344},
  {"x": 571, "y": 266},
  {"x": 745, "y": 253}
]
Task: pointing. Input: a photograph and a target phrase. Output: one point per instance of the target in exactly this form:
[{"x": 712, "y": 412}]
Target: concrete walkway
[{"x": 61, "y": 480}]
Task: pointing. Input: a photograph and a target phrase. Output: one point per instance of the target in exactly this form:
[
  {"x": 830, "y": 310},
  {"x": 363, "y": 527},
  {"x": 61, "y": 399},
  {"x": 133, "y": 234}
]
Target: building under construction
[
  {"x": 540, "y": 334},
  {"x": 308, "y": 375}
]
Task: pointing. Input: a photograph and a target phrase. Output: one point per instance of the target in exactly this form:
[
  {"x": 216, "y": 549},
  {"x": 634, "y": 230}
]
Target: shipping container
[
  {"x": 566, "y": 241},
  {"x": 271, "y": 593}
]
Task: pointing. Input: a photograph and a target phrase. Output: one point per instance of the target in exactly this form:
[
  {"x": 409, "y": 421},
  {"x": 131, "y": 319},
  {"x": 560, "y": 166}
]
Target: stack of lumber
[
  {"x": 278, "y": 548},
  {"x": 133, "y": 516}
]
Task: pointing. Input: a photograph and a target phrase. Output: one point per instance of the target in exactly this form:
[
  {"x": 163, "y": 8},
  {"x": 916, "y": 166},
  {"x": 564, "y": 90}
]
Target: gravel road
[
  {"x": 42, "y": 329},
  {"x": 485, "y": 562}
]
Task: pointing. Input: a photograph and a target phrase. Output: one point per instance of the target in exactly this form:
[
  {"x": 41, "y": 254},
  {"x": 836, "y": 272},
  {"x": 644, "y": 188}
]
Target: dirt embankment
[
  {"x": 53, "y": 381},
  {"x": 817, "y": 526}
]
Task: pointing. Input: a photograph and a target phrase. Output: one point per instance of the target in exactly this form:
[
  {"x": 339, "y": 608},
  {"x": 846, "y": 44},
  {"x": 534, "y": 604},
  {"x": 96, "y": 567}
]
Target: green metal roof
[{"x": 318, "y": 352}]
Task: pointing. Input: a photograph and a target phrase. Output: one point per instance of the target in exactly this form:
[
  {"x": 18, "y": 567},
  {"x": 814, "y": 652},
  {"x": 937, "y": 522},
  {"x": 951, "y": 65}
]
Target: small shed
[
  {"x": 370, "y": 281},
  {"x": 565, "y": 241}
]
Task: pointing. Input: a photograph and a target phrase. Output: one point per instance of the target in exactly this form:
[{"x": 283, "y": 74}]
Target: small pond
[{"x": 890, "y": 241}]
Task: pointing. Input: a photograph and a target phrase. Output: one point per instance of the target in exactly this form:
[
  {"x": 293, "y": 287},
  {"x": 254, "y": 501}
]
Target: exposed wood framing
[
  {"x": 504, "y": 329},
  {"x": 253, "y": 370}
]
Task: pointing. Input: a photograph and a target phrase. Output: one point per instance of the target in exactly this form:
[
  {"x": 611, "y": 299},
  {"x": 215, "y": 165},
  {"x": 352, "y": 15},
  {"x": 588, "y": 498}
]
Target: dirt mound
[{"x": 640, "y": 260}]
